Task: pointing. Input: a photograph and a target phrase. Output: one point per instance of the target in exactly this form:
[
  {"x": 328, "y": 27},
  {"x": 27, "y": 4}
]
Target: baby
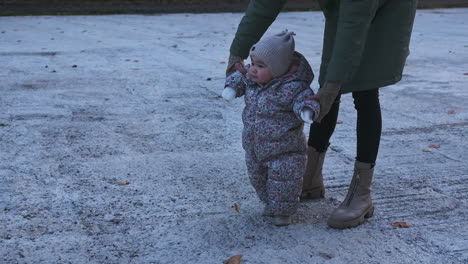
[{"x": 276, "y": 89}]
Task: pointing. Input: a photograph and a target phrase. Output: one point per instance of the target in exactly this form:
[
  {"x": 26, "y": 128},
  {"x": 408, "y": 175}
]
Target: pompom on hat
[{"x": 276, "y": 52}]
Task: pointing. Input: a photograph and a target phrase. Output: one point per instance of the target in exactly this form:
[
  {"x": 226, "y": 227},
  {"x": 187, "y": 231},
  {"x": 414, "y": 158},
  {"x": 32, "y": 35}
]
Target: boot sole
[
  {"x": 268, "y": 214},
  {"x": 312, "y": 195},
  {"x": 353, "y": 223}
]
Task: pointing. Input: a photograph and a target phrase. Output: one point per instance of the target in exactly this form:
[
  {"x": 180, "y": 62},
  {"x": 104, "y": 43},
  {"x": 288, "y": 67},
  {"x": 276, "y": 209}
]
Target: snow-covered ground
[{"x": 116, "y": 147}]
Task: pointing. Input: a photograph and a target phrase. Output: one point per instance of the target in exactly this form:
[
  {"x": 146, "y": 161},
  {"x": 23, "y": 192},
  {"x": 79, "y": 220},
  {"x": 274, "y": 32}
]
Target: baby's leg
[
  {"x": 285, "y": 183},
  {"x": 257, "y": 175}
]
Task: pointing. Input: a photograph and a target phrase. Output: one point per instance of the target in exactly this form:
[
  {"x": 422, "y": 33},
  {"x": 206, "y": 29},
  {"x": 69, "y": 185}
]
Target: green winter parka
[{"x": 365, "y": 42}]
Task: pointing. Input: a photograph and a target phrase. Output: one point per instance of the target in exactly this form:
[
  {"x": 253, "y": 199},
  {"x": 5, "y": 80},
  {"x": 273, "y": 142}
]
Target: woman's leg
[
  {"x": 369, "y": 125},
  {"x": 358, "y": 202},
  {"x": 319, "y": 137},
  {"x": 320, "y": 134}
]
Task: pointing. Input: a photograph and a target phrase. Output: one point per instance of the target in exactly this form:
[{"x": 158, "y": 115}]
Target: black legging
[{"x": 368, "y": 127}]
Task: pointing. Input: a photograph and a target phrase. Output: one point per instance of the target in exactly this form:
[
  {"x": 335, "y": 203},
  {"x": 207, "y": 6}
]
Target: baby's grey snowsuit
[{"x": 273, "y": 137}]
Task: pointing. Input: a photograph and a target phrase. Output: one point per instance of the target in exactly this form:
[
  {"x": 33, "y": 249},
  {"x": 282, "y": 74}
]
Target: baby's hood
[{"x": 300, "y": 70}]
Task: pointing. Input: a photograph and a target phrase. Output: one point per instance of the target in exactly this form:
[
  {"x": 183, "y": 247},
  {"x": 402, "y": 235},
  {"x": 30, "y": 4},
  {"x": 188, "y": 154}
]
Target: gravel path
[{"x": 115, "y": 147}]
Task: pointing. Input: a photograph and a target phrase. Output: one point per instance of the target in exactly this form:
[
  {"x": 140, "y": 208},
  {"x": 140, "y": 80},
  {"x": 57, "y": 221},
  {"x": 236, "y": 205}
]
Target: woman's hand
[
  {"x": 235, "y": 63},
  {"x": 326, "y": 96}
]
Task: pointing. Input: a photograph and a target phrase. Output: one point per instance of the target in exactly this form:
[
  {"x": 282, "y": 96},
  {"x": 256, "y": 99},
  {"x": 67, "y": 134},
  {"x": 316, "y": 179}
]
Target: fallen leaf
[
  {"x": 236, "y": 207},
  {"x": 236, "y": 259},
  {"x": 401, "y": 224},
  {"x": 434, "y": 146},
  {"x": 427, "y": 150},
  {"x": 451, "y": 112},
  {"x": 136, "y": 61},
  {"x": 339, "y": 122},
  {"x": 123, "y": 183},
  {"x": 466, "y": 73}
]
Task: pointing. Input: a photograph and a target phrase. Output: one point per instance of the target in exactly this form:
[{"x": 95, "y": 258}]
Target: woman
[{"x": 365, "y": 46}]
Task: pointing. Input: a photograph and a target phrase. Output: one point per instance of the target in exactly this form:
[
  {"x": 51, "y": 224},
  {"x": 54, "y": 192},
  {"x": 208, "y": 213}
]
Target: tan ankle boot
[
  {"x": 312, "y": 186},
  {"x": 358, "y": 203}
]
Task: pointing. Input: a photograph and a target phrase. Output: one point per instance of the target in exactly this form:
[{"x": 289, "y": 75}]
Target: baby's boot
[
  {"x": 267, "y": 211},
  {"x": 281, "y": 220}
]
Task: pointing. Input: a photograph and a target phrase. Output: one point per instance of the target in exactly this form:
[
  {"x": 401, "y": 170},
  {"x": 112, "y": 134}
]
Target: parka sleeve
[
  {"x": 354, "y": 20},
  {"x": 259, "y": 15},
  {"x": 237, "y": 81}
]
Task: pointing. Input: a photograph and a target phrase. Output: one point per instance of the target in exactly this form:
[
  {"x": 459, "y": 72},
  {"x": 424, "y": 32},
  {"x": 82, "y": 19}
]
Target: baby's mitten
[
  {"x": 229, "y": 93},
  {"x": 307, "y": 115}
]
